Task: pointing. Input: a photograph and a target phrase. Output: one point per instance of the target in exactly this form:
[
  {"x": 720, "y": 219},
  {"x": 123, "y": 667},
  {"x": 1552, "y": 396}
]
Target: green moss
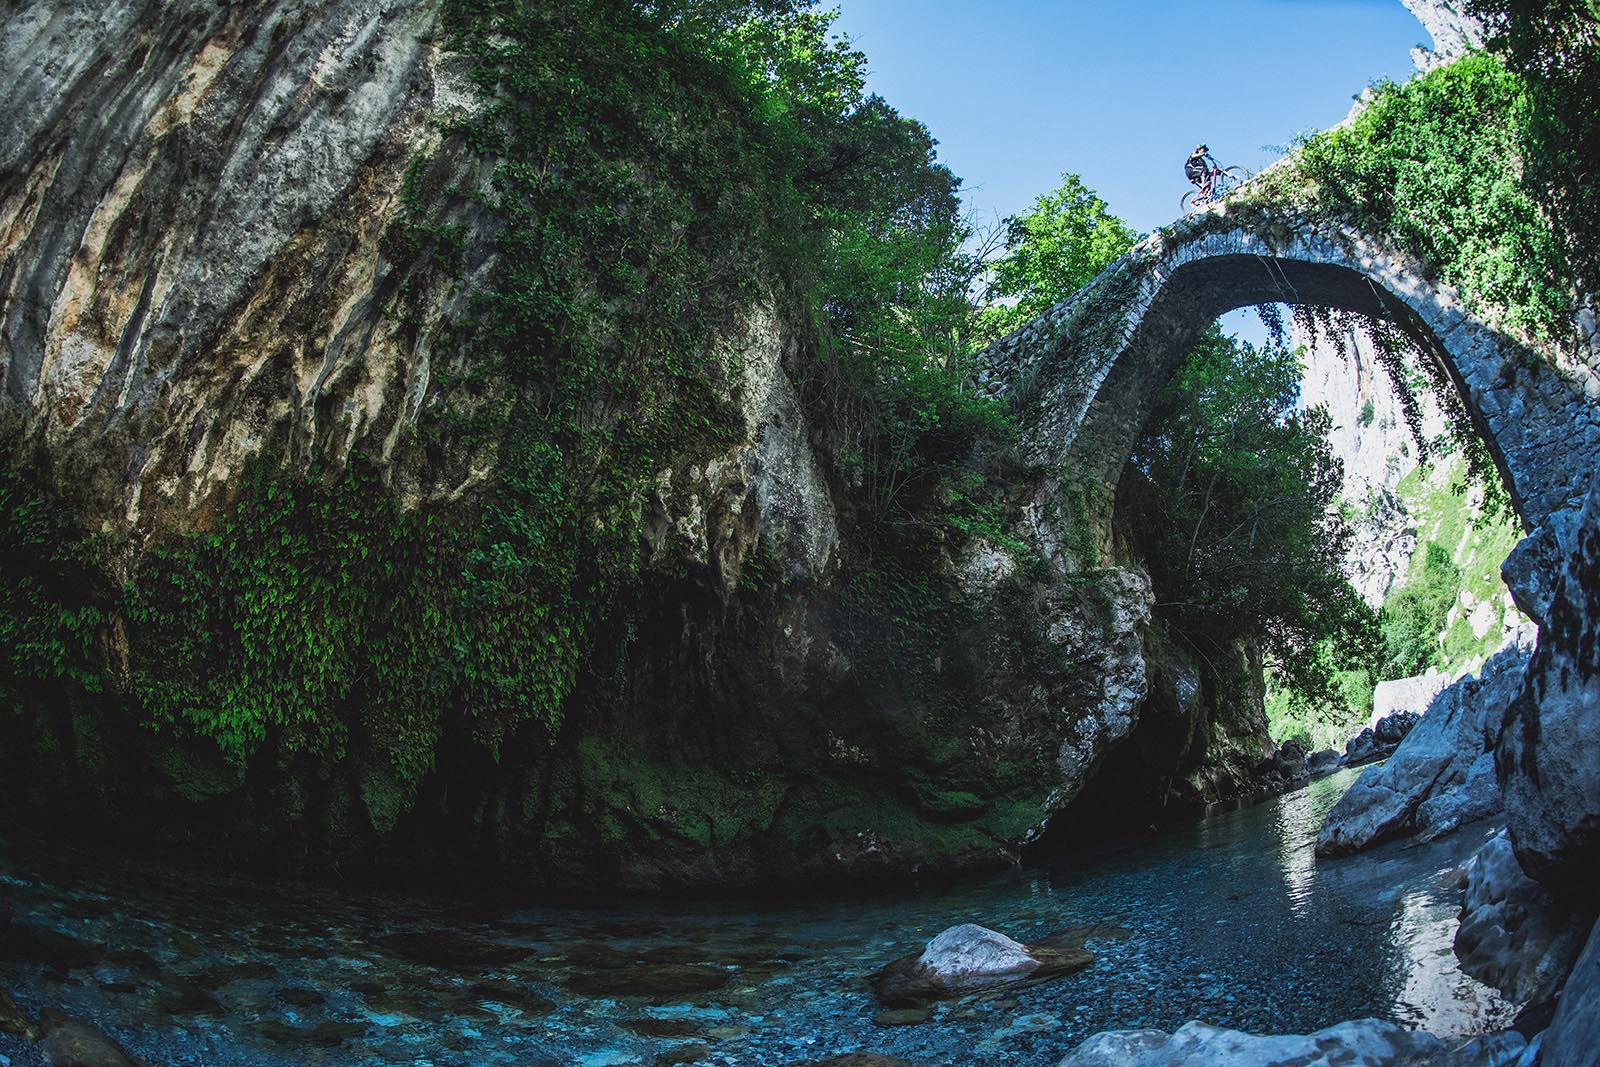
[
  {"x": 950, "y": 805},
  {"x": 1476, "y": 541},
  {"x": 194, "y": 774},
  {"x": 629, "y": 792}
]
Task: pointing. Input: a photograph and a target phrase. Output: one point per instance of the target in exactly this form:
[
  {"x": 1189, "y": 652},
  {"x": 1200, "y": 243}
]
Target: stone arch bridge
[{"x": 1084, "y": 376}]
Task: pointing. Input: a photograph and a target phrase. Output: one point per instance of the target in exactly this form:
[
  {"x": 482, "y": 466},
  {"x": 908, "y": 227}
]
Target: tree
[
  {"x": 1555, "y": 44},
  {"x": 1051, "y": 252},
  {"x": 1228, "y": 495}
]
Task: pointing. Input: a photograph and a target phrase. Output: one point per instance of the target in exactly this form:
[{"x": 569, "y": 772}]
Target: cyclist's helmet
[{"x": 1201, "y": 148}]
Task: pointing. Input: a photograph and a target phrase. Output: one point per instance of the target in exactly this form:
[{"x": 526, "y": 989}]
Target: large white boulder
[{"x": 969, "y": 951}]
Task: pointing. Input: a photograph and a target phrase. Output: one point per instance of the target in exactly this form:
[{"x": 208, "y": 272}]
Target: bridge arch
[{"x": 1085, "y": 375}]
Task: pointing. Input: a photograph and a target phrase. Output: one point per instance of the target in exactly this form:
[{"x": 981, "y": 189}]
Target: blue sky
[{"x": 1119, "y": 91}]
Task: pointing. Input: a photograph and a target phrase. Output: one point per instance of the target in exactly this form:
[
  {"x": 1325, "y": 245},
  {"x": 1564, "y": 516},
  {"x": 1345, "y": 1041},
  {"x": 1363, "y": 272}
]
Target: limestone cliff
[
  {"x": 1452, "y": 29},
  {"x": 1398, "y": 508},
  {"x": 194, "y": 203},
  {"x": 242, "y": 252}
]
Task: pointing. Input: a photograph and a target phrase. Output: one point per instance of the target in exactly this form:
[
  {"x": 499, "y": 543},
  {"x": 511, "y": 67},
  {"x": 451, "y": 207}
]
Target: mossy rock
[
  {"x": 950, "y": 805},
  {"x": 13, "y": 1020}
]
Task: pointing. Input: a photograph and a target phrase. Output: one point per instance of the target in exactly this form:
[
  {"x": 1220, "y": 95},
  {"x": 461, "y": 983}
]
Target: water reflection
[
  {"x": 1234, "y": 921},
  {"x": 1296, "y": 856}
]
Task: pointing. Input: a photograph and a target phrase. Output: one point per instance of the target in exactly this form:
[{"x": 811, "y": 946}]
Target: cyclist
[{"x": 1198, "y": 166}]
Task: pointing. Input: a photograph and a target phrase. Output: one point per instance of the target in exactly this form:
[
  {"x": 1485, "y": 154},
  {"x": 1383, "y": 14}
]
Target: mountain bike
[{"x": 1217, "y": 183}]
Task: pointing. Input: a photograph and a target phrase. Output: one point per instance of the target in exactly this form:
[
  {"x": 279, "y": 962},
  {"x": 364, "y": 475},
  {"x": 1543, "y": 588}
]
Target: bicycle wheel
[
  {"x": 1230, "y": 178},
  {"x": 1190, "y": 202}
]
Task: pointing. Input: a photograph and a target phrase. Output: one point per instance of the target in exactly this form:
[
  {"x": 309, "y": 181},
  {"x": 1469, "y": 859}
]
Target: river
[{"x": 1233, "y": 921}]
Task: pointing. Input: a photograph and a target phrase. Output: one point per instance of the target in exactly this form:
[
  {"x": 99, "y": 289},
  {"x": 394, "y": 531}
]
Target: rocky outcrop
[
  {"x": 1545, "y": 760},
  {"x": 1441, "y": 775},
  {"x": 1453, "y": 29},
  {"x": 1322, "y": 762},
  {"x": 1363, "y": 1043},
  {"x": 1514, "y": 935},
  {"x": 1379, "y": 740},
  {"x": 1573, "y": 1039}
]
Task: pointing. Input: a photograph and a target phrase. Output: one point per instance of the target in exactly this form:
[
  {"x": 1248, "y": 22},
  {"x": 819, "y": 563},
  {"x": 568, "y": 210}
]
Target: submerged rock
[
  {"x": 75, "y": 1044},
  {"x": 1440, "y": 776},
  {"x": 970, "y": 957},
  {"x": 1362, "y": 1043},
  {"x": 13, "y": 1020},
  {"x": 452, "y": 949}
]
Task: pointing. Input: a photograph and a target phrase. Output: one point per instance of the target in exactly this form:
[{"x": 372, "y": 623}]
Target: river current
[{"x": 1233, "y": 921}]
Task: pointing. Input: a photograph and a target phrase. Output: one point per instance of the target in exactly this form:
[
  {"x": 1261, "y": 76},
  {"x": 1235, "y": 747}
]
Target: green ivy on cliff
[
  {"x": 1437, "y": 163},
  {"x": 652, "y": 170},
  {"x": 310, "y": 609},
  {"x": 48, "y": 619}
]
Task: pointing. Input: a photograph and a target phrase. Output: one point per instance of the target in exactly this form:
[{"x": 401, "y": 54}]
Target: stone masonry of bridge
[{"x": 1084, "y": 376}]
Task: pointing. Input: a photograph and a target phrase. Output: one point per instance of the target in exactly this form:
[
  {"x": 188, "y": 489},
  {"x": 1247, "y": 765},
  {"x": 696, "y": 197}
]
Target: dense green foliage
[
  {"x": 1435, "y": 164},
  {"x": 1051, "y": 252},
  {"x": 283, "y": 620},
  {"x": 1416, "y": 614},
  {"x": 1555, "y": 46},
  {"x": 1228, "y": 496}
]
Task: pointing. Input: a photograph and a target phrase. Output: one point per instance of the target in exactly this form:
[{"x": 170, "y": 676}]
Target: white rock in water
[
  {"x": 969, "y": 949},
  {"x": 1362, "y": 1043}
]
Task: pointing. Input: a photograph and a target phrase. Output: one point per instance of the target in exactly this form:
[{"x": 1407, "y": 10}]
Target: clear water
[{"x": 1233, "y": 921}]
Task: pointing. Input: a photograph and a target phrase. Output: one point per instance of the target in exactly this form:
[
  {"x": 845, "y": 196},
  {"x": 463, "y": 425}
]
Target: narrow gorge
[{"x": 510, "y": 475}]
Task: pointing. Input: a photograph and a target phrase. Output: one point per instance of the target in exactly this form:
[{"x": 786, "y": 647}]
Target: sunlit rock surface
[
  {"x": 1363, "y": 1043},
  {"x": 972, "y": 951},
  {"x": 1514, "y": 934},
  {"x": 1441, "y": 775}
]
